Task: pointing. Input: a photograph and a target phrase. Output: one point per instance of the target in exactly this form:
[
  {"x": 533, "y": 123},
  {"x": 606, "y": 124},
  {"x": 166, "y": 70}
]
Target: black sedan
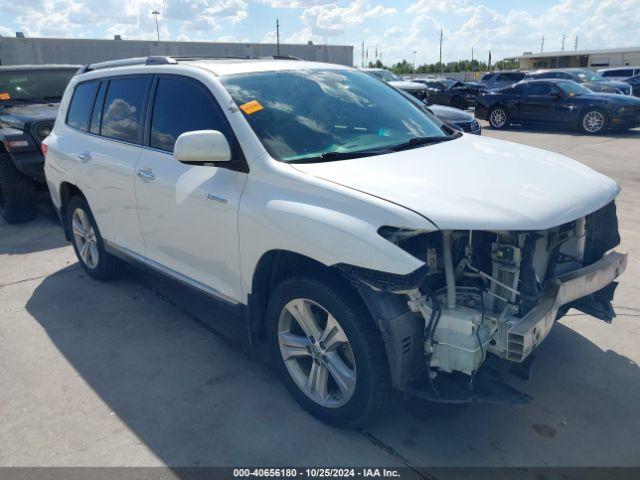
[
  {"x": 559, "y": 103},
  {"x": 635, "y": 85},
  {"x": 443, "y": 91}
]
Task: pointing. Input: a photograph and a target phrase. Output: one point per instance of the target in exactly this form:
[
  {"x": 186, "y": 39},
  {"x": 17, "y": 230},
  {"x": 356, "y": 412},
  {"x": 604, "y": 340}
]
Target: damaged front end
[{"x": 487, "y": 297}]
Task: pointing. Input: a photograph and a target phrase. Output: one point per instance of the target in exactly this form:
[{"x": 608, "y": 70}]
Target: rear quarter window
[{"x": 80, "y": 106}]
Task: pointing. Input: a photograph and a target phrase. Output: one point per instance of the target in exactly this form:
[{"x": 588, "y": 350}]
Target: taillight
[{"x": 43, "y": 147}]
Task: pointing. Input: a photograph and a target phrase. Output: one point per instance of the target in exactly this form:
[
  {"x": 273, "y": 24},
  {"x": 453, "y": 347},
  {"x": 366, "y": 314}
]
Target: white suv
[{"x": 374, "y": 248}]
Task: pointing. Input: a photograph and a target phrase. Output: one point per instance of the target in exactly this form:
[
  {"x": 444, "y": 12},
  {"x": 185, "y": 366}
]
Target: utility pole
[
  {"x": 542, "y": 44},
  {"x": 155, "y": 14},
  {"x": 563, "y": 37},
  {"x": 440, "y": 62},
  {"x": 575, "y": 46},
  {"x": 489, "y": 65},
  {"x": 414, "y": 62},
  {"x": 278, "y": 37}
]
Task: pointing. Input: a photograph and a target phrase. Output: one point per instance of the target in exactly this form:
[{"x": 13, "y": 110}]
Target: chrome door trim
[{"x": 128, "y": 255}]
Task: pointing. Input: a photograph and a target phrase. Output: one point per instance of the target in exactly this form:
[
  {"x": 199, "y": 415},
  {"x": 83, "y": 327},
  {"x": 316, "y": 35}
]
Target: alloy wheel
[
  {"x": 593, "y": 121},
  {"x": 316, "y": 352},
  {"x": 85, "y": 238},
  {"x": 498, "y": 118}
]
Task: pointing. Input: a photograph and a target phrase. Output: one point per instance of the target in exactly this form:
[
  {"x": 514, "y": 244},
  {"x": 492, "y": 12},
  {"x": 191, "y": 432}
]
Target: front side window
[
  {"x": 80, "y": 106},
  {"x": 122, "y": 114},
  {"x": 589, "y": 76},
  {"x": 182, "y": 105},
  {"x": 306, "y": 114},
  {"x": 537, "y": 89}
]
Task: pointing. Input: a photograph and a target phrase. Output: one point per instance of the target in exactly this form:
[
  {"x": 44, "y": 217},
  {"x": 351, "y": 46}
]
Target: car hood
[
  {"x": 402, "y": 85},
  {"x": 477, "y": 183},
  {"x": 22, "y": 114},
  {"x": 450, "y": 114}
]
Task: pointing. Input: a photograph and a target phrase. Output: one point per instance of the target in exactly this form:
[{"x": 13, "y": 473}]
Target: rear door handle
[{"x": 146, "y": 175}]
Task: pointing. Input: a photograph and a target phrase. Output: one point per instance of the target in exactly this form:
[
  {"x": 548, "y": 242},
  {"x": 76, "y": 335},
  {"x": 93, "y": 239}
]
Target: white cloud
[{"x": 331, "y": 19}]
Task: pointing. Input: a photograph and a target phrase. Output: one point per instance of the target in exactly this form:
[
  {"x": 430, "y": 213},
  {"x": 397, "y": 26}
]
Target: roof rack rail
[
  {"x": 126, "y": 62},
  {"x": 171, "y": 60}
]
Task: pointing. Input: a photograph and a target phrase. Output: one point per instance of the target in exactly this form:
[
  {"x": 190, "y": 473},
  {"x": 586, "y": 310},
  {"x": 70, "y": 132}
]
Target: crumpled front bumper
[{"x": 526, "y": 334}]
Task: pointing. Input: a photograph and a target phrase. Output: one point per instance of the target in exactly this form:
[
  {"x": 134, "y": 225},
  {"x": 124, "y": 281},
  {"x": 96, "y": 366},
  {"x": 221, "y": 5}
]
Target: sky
[{"x": 393, "y": 29}]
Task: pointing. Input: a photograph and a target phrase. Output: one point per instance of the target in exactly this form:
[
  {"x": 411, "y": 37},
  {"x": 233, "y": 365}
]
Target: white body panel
[
  {"x": 104, "y": 170},
  {"x": 188, "y": 216}
]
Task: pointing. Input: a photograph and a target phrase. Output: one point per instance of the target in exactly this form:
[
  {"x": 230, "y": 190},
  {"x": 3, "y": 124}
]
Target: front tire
[
  {"x": 18, "y": 193},
  {"x": 327, "y": 350},
  {"x": 87, "y": 241},
  {"x": 499, "y": 118},
  {"x": 594, "y": 122}
]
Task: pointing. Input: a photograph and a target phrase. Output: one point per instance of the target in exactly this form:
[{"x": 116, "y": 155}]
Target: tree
[{"x": 378, "y": 64}]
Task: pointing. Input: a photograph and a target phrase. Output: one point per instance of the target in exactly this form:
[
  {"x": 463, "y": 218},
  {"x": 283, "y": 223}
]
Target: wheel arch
[
  {"x": 67, "y": 191},
  {"x": 400, "y": 330}
]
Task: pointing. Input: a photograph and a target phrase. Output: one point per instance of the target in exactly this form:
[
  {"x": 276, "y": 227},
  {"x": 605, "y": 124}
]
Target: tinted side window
[
  {"x": 486, "y": 77},
  {"x": 182, "y": 105},
  {"x": 96, "y": 116},
  {"x": 122, "y": 115},
  {"x": 78, "y": 114},
  {"x": 537, "y": 89}
]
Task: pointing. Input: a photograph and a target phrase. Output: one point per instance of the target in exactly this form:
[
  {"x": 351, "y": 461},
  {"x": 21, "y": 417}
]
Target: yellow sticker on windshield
[
  {"x": 5, "y": 96},
  {"x": 251, "y": 107}
]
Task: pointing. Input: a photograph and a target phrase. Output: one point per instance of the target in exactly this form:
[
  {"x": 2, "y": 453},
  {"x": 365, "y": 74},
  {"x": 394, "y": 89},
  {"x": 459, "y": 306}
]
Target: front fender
[{"x": 323, "y": 221}]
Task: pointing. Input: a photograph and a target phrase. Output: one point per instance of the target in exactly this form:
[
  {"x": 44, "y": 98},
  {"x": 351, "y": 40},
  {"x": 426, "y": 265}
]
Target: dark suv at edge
[{"x": 29, "y": 100}]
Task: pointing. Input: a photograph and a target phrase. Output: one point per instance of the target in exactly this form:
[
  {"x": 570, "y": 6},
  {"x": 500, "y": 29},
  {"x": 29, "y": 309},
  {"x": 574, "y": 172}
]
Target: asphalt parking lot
[{"x": 139, "y": 372}]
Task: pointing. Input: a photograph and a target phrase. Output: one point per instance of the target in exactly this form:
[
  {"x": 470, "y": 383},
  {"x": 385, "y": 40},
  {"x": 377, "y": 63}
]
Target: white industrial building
[
  {"x": 21, "y": 50},
  {"x": 610, "y": 57}
]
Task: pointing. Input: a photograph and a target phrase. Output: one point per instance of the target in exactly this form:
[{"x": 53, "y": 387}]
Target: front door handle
[
  {"x": 146, "y": 175},
  {"x": 84, "y": 156}
]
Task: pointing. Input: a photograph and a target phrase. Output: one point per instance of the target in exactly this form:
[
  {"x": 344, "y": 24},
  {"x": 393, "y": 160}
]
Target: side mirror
[{"x": 202, "y": 146}]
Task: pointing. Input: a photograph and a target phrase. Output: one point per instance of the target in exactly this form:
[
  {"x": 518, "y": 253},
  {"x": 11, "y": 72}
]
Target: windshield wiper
[
  {"x": 419, "y": 142},
  {"x": 331, "y": 156}
]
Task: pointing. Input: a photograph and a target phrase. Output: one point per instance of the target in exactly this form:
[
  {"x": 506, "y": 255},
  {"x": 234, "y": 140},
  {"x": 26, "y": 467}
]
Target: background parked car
[
  {"x": 635, "y": 85},
  {"x": 444, "y": 91},
  {"x": 418, "y": 90},
  {"x": 29, "y": 99},
  {"x": 495, "y": 80},
  {"x": 619, "y": 73},
  {"x": 588, "y": 78},
  {"x": 454, "y": 117},
  {"x": 558, "y": 102}
]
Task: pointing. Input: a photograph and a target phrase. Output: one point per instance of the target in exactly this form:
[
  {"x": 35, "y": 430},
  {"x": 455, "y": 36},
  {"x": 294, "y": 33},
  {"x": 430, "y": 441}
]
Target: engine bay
[{"x": 498, "y": 293}]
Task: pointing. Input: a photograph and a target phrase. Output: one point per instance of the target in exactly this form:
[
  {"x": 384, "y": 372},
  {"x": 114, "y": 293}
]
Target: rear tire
[
  {"x": 87, "y": 242},
  {"x": 499, "y": 118},
  {"x": 18, "y": 193},
  {"x": 348, "y": 360}
]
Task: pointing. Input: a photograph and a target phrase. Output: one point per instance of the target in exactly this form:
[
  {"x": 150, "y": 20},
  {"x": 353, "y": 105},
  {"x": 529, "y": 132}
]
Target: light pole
[
  {"x": 155, "y": 14},
  {"x": 414, "y": 62}
]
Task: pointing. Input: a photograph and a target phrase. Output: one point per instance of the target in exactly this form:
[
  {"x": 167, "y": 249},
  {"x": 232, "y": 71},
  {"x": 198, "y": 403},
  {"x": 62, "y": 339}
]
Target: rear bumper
[{"x": 527, "y": 333}]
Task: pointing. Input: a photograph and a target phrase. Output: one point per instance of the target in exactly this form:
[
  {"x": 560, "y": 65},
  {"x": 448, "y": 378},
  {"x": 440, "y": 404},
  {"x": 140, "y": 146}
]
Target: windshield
[
  {"x": 21, "y": 85},
  {"x": 303, "y": 114},
  {"x": 573, "y": 89},
  {"x": 385, "y": 75},
  {"x": 589, "y": 76}
]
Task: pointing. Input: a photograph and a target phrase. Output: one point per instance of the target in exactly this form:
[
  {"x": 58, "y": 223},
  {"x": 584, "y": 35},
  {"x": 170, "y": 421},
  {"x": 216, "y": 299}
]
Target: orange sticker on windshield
[
  {"x": 251, "y": 107},
  {"x": 5, "y": 96}
]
